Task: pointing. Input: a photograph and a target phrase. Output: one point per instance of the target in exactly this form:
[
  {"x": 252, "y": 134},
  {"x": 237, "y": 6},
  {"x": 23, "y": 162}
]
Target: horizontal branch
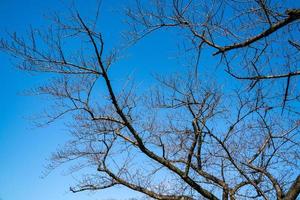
[{"x": 261, "y": 77}]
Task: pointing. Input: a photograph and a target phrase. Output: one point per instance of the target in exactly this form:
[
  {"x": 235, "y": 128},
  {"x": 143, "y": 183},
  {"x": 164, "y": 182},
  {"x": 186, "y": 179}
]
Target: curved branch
[
  {"x": 132, "y": 130},
  {"x": 293, "y": 15}
]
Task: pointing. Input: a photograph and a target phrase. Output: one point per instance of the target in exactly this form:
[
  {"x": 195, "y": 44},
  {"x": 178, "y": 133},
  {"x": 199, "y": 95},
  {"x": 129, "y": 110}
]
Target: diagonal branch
[
  {"x": 132, "y": 130},
  {"x": 294, "y": 190},
  {"x": 293, "y": 15}
]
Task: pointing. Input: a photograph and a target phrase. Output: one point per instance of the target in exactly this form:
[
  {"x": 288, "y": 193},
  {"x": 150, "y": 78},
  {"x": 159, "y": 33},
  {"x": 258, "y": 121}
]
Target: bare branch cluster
[
  {"x": 186, "y": 138},
  {"x": 246, "y": 35}
]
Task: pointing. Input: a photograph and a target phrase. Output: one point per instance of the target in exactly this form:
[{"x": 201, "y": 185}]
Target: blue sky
[{"x": 24, "y": 149}]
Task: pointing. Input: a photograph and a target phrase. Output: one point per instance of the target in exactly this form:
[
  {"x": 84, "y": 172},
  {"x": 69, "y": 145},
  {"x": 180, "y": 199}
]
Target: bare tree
[
  {"x": 246, "y": 35},
  {"x": 185, "y": 138}
]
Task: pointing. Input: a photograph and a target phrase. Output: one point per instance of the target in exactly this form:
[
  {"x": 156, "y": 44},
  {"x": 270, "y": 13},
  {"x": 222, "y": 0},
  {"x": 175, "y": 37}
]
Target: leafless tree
[
  {"x": 247, "y": 35},
  {"x": 186, "y": 138}
]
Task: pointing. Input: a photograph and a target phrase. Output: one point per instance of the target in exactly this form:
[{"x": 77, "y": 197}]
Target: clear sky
[{"x": 24, "y": 149}]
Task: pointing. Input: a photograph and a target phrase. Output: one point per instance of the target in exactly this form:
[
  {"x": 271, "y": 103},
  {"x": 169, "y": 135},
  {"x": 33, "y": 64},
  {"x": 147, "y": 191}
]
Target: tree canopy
[{"x": 223, "y": 126}]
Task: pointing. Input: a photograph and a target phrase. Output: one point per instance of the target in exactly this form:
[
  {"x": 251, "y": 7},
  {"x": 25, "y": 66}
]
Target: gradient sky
[{"x": 24, "y": 149}]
